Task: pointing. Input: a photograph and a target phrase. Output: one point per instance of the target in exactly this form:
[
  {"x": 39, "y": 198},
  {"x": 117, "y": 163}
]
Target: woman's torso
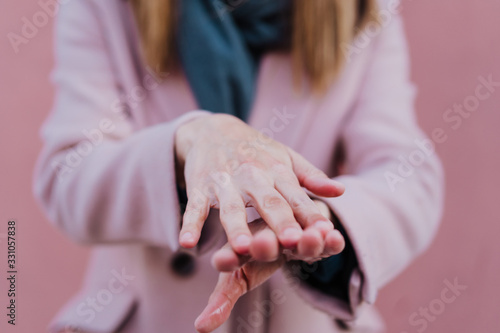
[{"x": 156, "y": 296}]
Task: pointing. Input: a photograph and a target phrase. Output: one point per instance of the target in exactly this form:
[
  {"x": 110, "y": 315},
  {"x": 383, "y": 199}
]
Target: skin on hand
[
  {"x": 230, "y": 287},
  {"x": 317, "y": 243},
  {"x": 243, "y": 277},
  {"x": 228, "y": 165},
  {"x": 240, "y": 274}
]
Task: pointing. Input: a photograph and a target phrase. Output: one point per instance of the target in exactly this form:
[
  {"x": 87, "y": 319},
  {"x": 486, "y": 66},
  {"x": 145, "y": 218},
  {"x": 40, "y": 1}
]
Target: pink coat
[{"x": 106, "y": 177}]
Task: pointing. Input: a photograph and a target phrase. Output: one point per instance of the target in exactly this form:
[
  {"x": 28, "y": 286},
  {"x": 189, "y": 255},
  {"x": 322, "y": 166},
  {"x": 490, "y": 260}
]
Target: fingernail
[
  {"x": 187, "y": 237},
  {"x": 242, "y": 240},
  {"x": 293, "y": 233}
]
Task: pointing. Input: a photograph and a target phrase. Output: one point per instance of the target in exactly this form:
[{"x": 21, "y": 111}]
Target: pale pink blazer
[{"x": 106, "y": 178}]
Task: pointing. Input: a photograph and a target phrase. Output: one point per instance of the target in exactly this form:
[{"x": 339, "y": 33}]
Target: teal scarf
[{"x": 220, "y": 47}]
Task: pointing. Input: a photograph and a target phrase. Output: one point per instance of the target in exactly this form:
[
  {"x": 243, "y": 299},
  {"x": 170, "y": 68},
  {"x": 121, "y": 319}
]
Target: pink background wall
[{"x": 453, "y": 42}]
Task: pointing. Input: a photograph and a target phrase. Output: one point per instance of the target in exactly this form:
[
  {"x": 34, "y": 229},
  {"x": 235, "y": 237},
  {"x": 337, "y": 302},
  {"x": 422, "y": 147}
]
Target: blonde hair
[{"x": 320, "y": 31}]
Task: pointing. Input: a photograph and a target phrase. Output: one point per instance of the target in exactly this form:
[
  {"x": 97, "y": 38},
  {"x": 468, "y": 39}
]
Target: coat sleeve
[
  {"x": 97, "y": 178},
  {"x": 394, "y": 184}
]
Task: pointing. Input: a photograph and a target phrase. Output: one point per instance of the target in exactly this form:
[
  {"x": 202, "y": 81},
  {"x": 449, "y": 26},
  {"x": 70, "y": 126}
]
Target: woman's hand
[
  {"x": 243, "y": 273},
  {"x": 229, "y": 165},
  {"x": 230, "y": 287},
  {"x": 313, "y": 246}
]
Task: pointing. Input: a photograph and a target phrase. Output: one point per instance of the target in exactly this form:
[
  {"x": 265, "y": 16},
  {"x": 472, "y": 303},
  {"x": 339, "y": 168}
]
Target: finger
[
  {"x": 314, "y": 179},
  {"x": 334, "y": 243},
  {"x": 196, "y": 213},
  {"x": 265, "y": 246},
  {"x": 311, "y": 244},
  {"x": 226, "y": 260},
  {"x": 277, "y": 213},
  {"x": 304, "y": 209},
  {"x": 234, "y": 219},
  {"x": 327, "y": 225},
  {"x": 323, "y": 209},
  {"x": 229, "y": 288}
]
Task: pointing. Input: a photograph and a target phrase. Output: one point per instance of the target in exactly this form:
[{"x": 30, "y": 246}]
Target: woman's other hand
[
  {"x": 241, "y": 274},
  {"x": 313, "y": 246},
  {"x": 230, "y": 287}
]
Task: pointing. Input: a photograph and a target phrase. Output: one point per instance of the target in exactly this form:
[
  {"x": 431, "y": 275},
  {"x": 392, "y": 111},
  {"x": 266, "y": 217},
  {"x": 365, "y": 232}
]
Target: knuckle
[
  {"x": 272, "y": 201},
  {"x": 232, "y": 208},
  {"x": 300, "y": 201},
  {"x": 193, "y": 211},
  {"x": 282, "y": 170},
  {"x": 196, "y": 197},
  {"x": 221, "y": 178},
  {"x": 285, "y": 223},
  {"x": 252, "y": 170},
  {"x": 193, "y": 207},
  {"x": 314, "y": 172}
]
